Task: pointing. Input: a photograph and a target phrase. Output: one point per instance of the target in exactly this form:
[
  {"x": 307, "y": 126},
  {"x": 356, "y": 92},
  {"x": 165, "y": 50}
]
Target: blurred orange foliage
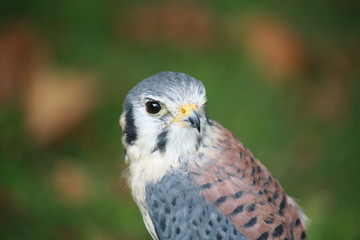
[
  {"x": 22, "y": 52},
  {"x": 276, "y": 46},
  {"x": 170, "y": 22},
  {"x": 71, "y": 182},
  {"x": 57, "y": 102}
]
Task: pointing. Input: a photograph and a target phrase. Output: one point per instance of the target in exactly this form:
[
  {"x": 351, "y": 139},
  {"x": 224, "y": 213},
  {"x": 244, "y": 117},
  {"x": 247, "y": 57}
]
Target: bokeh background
[{"x": 283, "y": 76}]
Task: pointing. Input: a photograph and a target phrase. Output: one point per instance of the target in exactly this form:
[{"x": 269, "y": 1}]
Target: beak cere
[{"x": 188, "y": 116}]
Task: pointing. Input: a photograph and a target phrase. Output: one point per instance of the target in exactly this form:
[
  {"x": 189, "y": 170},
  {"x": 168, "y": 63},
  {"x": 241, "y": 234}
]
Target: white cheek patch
[
  {"x": 147, "y": 128},
  {"x": 181, "y": 141}
]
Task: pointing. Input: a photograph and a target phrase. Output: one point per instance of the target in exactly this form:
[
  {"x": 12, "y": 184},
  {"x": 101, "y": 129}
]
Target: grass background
[{"x": 283, "y": 77}]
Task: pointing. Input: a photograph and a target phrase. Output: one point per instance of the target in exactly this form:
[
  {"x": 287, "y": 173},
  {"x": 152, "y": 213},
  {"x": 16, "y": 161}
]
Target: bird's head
[{"x": 164, "y": 114}]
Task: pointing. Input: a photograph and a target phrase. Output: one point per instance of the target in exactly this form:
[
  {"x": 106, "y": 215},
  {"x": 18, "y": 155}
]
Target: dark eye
[{"x": 153, "y": 107}]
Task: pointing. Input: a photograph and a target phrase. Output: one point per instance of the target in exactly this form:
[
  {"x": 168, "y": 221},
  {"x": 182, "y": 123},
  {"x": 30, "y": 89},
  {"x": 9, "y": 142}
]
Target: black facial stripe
[
  {"x": 130, "y": 129},
  {"x": 161, "y": 141}
]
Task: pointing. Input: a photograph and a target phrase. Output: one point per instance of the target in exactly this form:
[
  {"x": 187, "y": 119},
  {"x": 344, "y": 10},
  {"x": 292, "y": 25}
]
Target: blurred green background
[{"x": 284, "y": 77}]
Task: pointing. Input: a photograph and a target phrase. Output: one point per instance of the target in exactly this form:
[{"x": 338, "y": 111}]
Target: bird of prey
[{"x": 191, "y": 177}]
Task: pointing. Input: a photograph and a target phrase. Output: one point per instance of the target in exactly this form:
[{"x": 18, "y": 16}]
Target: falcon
[{"x": 191, "y": 177}]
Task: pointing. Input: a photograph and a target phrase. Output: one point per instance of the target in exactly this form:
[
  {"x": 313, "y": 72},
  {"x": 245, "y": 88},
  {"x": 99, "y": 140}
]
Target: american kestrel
[{"x": 192, "y": 178}]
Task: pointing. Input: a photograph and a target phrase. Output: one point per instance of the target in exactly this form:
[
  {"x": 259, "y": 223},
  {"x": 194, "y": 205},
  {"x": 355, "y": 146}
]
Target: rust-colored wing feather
[{"x": 241, "y": 188}]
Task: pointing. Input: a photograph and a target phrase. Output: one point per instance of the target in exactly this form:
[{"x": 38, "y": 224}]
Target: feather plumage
[{"x": 191, "y": 178}]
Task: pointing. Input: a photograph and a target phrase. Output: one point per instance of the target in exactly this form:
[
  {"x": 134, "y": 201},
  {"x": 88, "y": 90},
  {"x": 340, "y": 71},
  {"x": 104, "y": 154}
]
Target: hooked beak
[
  {"x": 194, "y": 120},
  {"x": 188, "y": 116}
]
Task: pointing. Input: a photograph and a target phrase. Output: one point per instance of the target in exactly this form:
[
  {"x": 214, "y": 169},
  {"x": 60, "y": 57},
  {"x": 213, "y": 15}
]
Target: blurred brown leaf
[
  {"x": 67, "y": 232},
  {"x": 71, "y": 182},
  {"x": 171, "y": 22},
  {"x": 57, "y": 102},
  {"x": 325, "y": 90},
  {"x": 276, "y": 46},
  {"x": 330, "y": 100},
  {"x": 22, "y": 51},
  {"x": 6, "y": 199}
]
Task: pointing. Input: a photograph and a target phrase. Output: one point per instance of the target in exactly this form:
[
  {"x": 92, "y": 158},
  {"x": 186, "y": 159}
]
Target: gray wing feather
[{"x": 179, "y": 212}]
